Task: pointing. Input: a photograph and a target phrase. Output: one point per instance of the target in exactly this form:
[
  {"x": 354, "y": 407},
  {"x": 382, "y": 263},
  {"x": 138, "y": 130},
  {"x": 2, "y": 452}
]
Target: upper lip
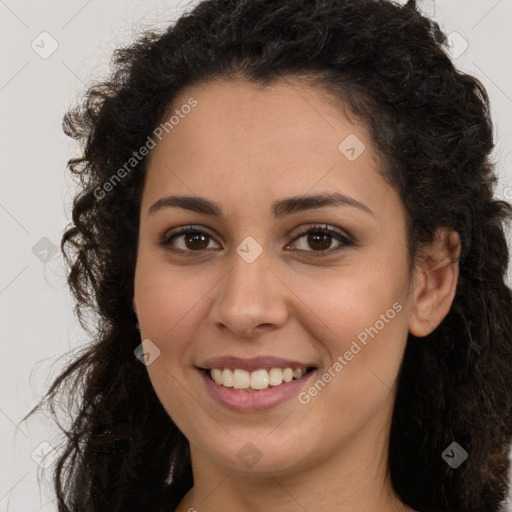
[{"x": 251, "y": 364}]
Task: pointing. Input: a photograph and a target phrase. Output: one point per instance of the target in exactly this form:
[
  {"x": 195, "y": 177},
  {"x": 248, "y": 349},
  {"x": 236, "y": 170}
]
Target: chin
[{"x": 251, "y": 454}]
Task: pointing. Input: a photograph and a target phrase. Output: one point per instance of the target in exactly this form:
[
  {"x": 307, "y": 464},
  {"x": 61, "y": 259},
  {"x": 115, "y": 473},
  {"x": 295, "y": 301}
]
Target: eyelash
[{"x": 344, "y": 240}]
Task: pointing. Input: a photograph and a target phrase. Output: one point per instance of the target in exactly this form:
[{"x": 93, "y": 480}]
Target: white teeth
[
  {"x": 259, "y": 379},
  {"x": 275, "y": 376},
  {"x": 297, "y": 374},
  {"x": 287, "y": 374},
  {"x": 256, "y": 380},
  {"x": 217, "y": 375},
  {"x": 241, "y": 379},
  {"x": 227, "y": 378}
]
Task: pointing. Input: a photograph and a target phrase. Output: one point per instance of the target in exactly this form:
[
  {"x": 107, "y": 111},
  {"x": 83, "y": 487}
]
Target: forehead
[{"x": 251, "y": 142}]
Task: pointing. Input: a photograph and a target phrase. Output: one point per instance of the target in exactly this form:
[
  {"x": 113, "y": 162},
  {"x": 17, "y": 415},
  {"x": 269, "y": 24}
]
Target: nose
[{"x": 250, "y": 299}]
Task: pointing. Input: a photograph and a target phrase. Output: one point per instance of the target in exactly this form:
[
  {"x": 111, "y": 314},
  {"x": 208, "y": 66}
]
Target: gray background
[{"x": 36, "y": 88}]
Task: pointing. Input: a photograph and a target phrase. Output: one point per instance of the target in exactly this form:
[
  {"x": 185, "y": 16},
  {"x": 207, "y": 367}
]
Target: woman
[{"x": 287, "y": 231}]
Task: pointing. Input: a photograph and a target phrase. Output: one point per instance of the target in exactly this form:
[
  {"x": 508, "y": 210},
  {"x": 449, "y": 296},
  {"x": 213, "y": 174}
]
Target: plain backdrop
[{"x": 51, "y": 51}]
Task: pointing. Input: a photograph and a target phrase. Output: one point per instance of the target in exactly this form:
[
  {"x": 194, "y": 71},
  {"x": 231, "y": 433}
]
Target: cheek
[
  {"x": 169, "y": 305},
  {"x": 354, "y": 305},
  {"x": 359, "y": 318},
  {"x": 170, "y": 308},
  {"x": 168, "y": 301},
  {"x": 364, "y": 350}
]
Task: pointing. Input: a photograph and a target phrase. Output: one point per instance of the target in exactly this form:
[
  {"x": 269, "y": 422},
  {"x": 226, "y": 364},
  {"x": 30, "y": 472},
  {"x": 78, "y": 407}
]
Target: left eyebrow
[
  {"x": 300, "y": 203},
  {"x": 280, "y": 208}
]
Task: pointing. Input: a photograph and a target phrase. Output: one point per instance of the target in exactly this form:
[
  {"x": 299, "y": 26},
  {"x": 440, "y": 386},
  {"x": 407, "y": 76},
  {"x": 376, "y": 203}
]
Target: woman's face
[{"x": 251, "y": 294}]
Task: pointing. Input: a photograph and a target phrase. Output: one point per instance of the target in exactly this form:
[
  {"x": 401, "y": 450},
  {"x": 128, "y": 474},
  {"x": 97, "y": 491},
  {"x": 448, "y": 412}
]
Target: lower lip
[{"x": 248, "y": 401}]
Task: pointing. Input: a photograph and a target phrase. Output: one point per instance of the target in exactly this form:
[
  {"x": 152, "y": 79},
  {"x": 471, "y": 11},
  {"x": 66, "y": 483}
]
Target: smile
[{"x": 256, "y": 380}]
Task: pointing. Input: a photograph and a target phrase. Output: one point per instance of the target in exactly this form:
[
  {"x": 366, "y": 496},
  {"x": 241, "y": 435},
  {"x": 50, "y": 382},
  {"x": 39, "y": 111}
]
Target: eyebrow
[{"x": 280, "y": 208}]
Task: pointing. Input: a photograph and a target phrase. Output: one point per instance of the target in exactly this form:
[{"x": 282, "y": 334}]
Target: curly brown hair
[{"x": 431, "y": 124}]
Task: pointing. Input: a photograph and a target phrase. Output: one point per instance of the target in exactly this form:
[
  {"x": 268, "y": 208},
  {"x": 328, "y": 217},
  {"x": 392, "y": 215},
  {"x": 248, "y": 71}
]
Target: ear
[{"x": 435, "y": 282}]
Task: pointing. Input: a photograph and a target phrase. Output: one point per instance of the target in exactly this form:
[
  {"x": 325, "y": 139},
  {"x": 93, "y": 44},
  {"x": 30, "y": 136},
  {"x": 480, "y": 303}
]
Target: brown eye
[
  {"x": 187, "y": 240},
  {"x": 196, "y": 241},
  {"x": 319, "y": 239}
]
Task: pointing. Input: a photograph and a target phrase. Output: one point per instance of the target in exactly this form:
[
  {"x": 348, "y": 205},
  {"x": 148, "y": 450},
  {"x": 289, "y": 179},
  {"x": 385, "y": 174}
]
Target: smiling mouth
[{"x": 257, "y": 380}]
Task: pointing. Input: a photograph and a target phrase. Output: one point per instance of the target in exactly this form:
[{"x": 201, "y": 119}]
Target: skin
[{"x": 243, "y": 147}]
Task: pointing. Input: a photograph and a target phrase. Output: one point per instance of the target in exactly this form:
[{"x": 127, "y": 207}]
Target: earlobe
[{"x": 435, "y": 283}]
